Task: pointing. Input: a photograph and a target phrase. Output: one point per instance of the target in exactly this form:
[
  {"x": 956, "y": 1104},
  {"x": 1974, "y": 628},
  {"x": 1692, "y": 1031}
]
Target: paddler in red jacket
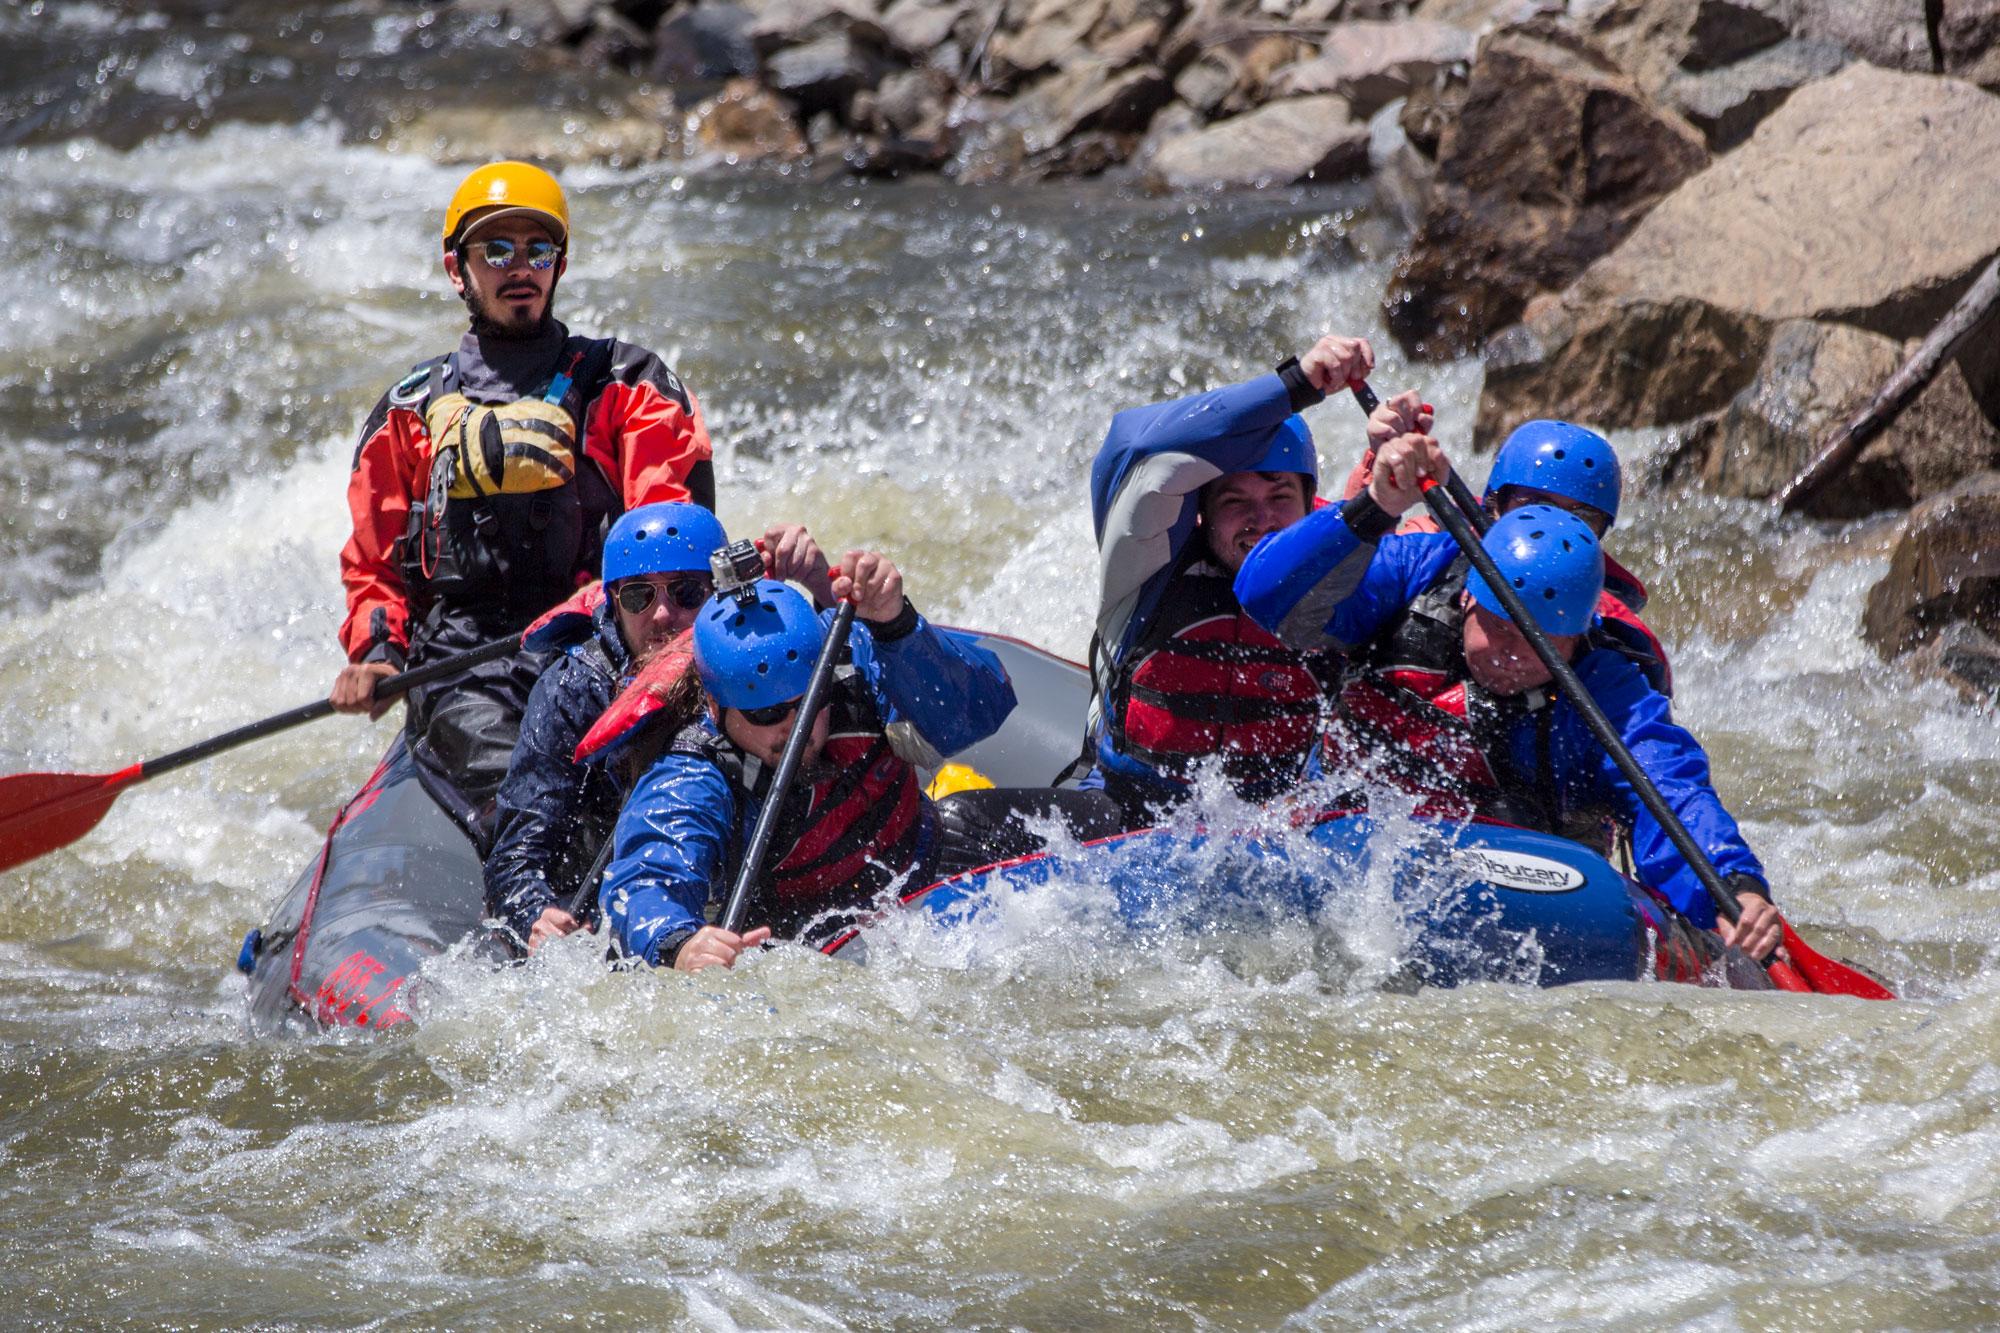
[{"x": 486, "y": 479}]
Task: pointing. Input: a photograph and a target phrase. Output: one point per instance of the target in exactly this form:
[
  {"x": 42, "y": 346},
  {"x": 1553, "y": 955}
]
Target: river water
[{"x": 1046, "y": 1122}]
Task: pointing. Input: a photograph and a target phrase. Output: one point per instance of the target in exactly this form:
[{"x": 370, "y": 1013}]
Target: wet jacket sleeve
[
  {"x": 1144, "y": 484},
  {"x": 954, "y": 692},
  {"x": 1678, "y": 766},
  {"x": 645, "y": 431},
  {"x": 671, "y": 840},
  {"x": 389, "y": 469},
  {"x": 539, "y": 811},
  {"x": 1334, "y": 578}
]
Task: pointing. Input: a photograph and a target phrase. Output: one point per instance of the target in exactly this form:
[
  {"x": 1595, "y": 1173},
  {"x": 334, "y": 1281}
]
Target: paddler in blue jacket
[
  {"x": 1180, "y": 493},
  {"x": 1491, "y": 729},
  {"x": 553, "y": 814},
  {"x": 856, "y": 821},
  {"x": 1545, "y": 462}
]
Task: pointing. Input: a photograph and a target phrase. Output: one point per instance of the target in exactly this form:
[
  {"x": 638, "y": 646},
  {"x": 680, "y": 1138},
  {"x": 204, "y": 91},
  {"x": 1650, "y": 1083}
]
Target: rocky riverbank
[
  {"x": 1725, "y": 219},
  {"x": 1731, "y": 219}
]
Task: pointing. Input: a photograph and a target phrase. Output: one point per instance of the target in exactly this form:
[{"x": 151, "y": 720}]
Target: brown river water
[{"x": 1044, "y": 1122}]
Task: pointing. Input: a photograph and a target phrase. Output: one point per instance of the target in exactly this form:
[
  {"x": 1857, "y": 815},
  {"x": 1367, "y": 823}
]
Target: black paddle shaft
[
  {"x": 387, "y": 688},
  {"x": 1461, "y": 494},
  {"x": 1600, "y": 725},
  {"x": 788, "y": 763}
]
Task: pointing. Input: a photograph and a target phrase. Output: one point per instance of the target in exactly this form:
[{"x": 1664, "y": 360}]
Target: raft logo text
[{"x": 1532, "y": 873}]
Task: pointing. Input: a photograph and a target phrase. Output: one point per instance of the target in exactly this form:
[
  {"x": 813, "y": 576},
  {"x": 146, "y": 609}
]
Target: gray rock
[
  {"x": 1970, "y": 36},
  {"x": 1085, "y": 98},
  {"x": 1889, "y": 33},
  {"x": 704, "y": 43},
  {"x": 1814, "y": 377},
  {"x": 1945, "y": 570},
  {"x": 1208, "y": 81},
  {"x": 1868, "y": 198},
  {"x": 1051, "y": 36},
  {"x": 1726, "y": 104},
  {"x": 1302, "y": 138},
  {"x": 784, "y": 23},
  {"x": 826, "y": 73},
  {"x": 912, "y": 103},
  {"x": 1373, "y": 64},
  {"x": 919, "y": 27},
  {"x": 1725, "y": 31}
]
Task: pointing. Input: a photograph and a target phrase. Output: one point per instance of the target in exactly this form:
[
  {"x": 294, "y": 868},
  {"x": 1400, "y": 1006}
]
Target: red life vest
[
  {"x": 861, "y": 822},
  {"x": 1408, "y": 716},
  {"x": 1204, "y": 679}
]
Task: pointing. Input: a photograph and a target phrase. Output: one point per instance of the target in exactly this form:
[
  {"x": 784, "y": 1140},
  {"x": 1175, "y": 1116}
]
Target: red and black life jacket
[
  {"x": 513, "y": 514},
  {"x": 1409, "y": 715},
  {"x": 1205, "y": 679},
  {"x": 856, "y": 824}
]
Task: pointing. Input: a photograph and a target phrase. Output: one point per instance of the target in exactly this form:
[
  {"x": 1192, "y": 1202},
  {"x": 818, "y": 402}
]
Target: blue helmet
[
  {"x": 1552, "y": 559},
  {"x": 665, "y": 538},
  {"x": 1559, "y": 458},
  {"x": 1291, "y": 450},
  {"x": 761, "y": 654}
]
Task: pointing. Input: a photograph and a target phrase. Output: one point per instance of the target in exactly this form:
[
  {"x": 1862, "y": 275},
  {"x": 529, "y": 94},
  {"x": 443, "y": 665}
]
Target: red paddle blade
[
  {"x": 40, "y": 812},
  {"x": 1826, "y": 976}
]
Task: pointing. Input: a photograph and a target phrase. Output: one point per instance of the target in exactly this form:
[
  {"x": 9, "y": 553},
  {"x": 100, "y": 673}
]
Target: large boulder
[
  {"x": 1815, "y": 377},
  {"x": 1726, "y": 104},
  {"x": 1373, "y": 64},
  {"x": 1867, "y": 199},
  {"x": 1299, "y": 139},
  {"x": 1554, "y": 158},
  {"x": 1945, "y": 569}
]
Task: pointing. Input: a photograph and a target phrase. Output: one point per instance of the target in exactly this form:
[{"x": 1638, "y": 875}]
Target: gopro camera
[{"x": 736, "y": 568}]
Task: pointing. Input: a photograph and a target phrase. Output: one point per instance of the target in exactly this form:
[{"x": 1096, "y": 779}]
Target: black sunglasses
[
  {"x": 499, "y": 252},
  {"x": 636, "y": 596},
  {"x": 770, "y": 714}
]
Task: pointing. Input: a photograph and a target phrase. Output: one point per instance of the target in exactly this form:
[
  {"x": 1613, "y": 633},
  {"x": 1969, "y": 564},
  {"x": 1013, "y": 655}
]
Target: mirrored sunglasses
[
  {"x": 770, "y": 714},
  {"x": 499, "y": 252},
  {"x": 636, "y": 596}
]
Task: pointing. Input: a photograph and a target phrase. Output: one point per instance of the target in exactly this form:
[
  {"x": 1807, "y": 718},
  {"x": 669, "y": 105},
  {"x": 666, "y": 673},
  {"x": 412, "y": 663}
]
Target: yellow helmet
[{"x": 501, "y": 188}]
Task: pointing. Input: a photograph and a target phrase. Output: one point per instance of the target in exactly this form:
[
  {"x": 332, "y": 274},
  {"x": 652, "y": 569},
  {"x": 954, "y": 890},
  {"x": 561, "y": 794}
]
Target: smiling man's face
[{"x": 1239, "y": 510}]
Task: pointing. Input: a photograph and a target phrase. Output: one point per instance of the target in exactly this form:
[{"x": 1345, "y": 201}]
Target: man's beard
[{"x": 485, "y": 325}]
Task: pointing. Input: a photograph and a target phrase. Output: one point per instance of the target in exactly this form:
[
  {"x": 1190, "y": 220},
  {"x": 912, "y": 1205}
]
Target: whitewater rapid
[{"x": 1046, "y": 1121}]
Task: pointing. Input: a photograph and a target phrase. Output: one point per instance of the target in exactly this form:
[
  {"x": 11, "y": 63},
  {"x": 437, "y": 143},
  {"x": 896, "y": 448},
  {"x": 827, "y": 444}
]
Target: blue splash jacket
[
  {"x": 681, "y": 836},
  {"x": 1337, "y": 578}
]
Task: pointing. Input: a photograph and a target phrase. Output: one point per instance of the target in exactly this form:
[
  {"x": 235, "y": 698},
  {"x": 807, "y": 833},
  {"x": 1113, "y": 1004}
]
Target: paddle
[
  {"x": 1820, "y": 973},
  {"x": 788, "y": 763},
  {"x": 1460, "y": 493},
  {"x": 40, "y": 812}
]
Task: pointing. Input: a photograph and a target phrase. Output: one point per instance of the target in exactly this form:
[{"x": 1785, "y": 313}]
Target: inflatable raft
[
  {"x": 398, "y": 881},
  {"x": 1478, "y": 901}
]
